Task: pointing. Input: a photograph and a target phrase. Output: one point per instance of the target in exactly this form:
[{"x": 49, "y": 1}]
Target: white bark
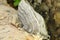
[{"x": 33, "y": 22}]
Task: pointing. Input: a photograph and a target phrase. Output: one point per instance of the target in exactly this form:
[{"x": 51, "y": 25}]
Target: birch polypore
[{"x": 32, "y": 21}]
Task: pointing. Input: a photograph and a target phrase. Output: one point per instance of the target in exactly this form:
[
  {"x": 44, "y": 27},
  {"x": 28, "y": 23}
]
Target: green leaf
[{"x": 16, "y": 2}]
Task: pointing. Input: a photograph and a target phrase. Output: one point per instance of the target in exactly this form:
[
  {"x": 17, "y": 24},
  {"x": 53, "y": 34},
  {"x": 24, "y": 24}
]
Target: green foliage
[{"x": 16, "y": 2}]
